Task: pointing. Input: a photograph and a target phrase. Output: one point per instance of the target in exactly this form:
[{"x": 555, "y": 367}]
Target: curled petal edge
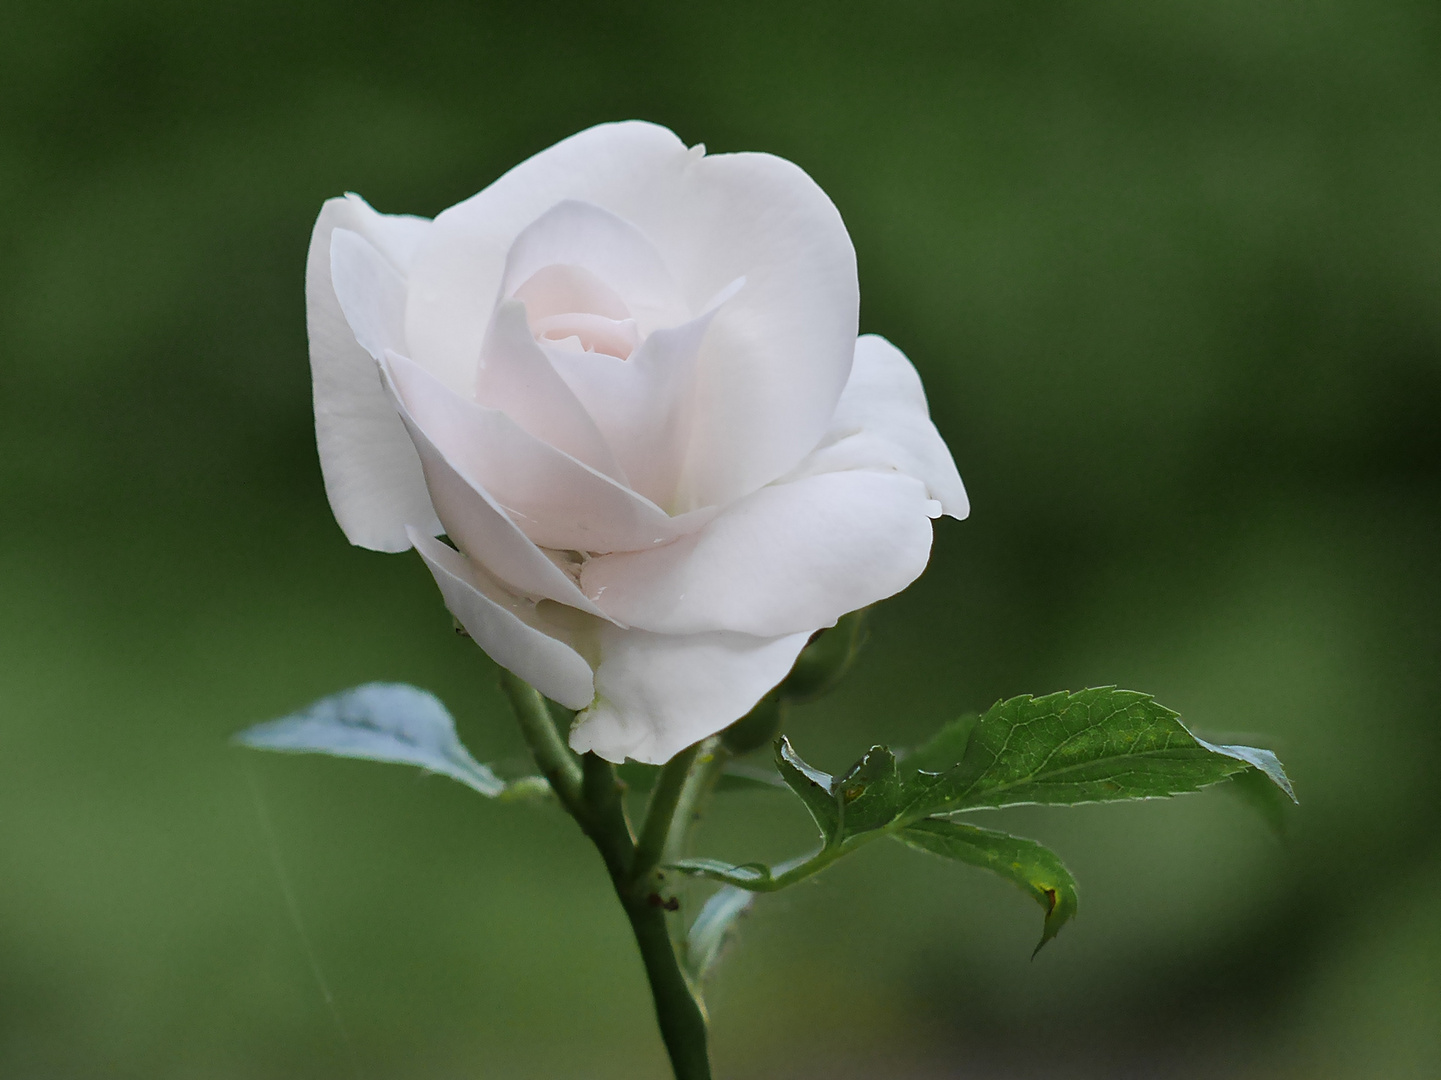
[
  {"x": 515, "y": 634},
  {"x": 372, "y": 473},
  {"x": 656, "y": 694}
]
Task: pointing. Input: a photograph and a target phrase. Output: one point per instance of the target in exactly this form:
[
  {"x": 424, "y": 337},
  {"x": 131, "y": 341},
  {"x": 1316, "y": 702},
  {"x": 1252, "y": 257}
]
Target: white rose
[{"x": 624, "y": 381}]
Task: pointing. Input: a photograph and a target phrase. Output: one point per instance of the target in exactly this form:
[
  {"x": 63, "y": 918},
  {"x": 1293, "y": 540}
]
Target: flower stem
[
  {"x": 592, "y": 793},
  {"x": 710, "y": 761},
  {"x": 678, "y": 1009},
  {"x": 552, "y": 756},
  {"x": 660, "y": 814}
]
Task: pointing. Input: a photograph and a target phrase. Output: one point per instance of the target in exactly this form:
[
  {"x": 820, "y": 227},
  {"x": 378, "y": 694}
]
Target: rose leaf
[{"x": 378, "y": 722}]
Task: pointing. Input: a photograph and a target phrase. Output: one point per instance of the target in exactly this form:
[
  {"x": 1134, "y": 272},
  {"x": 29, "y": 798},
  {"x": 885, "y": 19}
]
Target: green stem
[
  {"x": 790, "y": 873},
  {"x": 710, "y": 762},
  {"x": 660, "y": 814},
  {"x": 606, "y": 823},
  {"x": 591, "y": 792},
  {"x": 754, "y": 878},
  {"x": 552, "y": 756},
  {"x": 678, "y": 1009}
]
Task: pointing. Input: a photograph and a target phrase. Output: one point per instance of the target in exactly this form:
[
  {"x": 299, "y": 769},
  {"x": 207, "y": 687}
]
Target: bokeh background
[{"x": 1172, "y": 275}]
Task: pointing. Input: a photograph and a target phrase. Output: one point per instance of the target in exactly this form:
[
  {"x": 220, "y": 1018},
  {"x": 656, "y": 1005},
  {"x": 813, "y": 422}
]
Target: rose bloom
[{"x": 624, "y": 383}]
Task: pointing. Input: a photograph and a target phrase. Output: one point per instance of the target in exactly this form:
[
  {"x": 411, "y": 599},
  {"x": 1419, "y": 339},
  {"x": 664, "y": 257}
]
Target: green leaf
[
  {"x": 713, "y": 927},
  {"x": 755, "y": 877},
  {"x": 1036, "y": 869},
  {"x": 1263, "y": 763},
  {"x": 813, "y": 787},
  {"x": 1097, "y": 745},
  {"x": 946, "y": 747},
  {"x": 870, "y": 795},
  {"x": 389, "y": 722}
]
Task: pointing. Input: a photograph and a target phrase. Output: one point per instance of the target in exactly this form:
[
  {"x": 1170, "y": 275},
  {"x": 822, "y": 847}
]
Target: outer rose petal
[
  {"x": 371, "y": 293},
  {"x": 656, "y": 694},
  {"x": 512, "y": 632},
  {"x": 790, "y": 557},
  {"x": 882, "y": 422},
  {"x": 372, "y": 474},
  {"x": 777, "y": 356}
]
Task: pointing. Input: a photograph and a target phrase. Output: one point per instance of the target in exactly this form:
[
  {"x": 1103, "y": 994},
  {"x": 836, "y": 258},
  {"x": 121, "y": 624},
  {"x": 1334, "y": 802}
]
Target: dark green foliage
[
  {"x": 813, "y": 787},
  {"x": 1096, "y": 745},
  {"x": 1036, "y": 869}
]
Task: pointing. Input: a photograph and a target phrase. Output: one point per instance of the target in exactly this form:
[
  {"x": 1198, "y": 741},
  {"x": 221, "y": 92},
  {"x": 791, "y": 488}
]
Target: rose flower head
[{"x": 624, "y": 383}]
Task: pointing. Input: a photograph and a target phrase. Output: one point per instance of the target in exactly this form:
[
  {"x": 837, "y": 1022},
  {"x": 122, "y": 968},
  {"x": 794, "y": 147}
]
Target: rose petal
[
  {"x": 555, "y": 289},
  {"x": 555, "y": 500},
  {"x": 656, "y": 694},
  {"x": 581, "y": 234},
  {"x": 513, "y": 633},
  {"x": 481, "y": 529},
  {"x": 775, "y": 360},
  {"x": 516, "y": 377},
  {"x": 790, "y": 557},
  {"x": 372, "y": 474},
  {"x": 457, "y": 275},
  {"x": 371, "y": 293},
  {"x": 643, "y": 405},
  {"x": 777, "y": 356},
  {"x": 882, "y": 422}
]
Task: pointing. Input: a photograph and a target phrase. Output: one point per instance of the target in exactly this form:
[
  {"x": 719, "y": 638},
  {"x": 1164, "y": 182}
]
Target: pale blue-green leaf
[
  {"x": 1262, "y": 761},
  {"x": 389, "y": 722},
  {"x": 713, "y": 927},
  {"x": 752, "y": 876}
]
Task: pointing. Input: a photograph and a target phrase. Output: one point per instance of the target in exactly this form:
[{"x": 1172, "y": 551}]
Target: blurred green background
[{"x": 1172, "y": 275}]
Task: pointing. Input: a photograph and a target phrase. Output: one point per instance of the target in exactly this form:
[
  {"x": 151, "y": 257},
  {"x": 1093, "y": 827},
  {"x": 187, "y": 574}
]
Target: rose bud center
[{"x": 571, "y": 307}]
